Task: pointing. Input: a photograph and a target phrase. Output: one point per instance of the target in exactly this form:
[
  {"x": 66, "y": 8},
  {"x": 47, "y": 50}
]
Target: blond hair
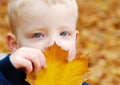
[{"x": 14, "y": 7}]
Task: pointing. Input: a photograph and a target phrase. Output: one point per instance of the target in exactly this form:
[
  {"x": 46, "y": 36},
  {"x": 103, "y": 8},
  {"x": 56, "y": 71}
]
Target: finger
[
  {"x": 24, "y": 65},
  {"x": 37, "y": 58},
  {"x": 35, "y": 61},
  {"x": 42, "y": 59}
]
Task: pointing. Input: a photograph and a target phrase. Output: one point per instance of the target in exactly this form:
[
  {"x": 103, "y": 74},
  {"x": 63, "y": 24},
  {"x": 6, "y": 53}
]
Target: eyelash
[
  {"x": 38, "y": 35},
  {"x": 64, "y": 33}
]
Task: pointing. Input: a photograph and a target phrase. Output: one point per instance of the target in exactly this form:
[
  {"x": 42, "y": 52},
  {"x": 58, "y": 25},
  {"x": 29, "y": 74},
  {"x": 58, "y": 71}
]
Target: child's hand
[{"x": 28, "y": 59}]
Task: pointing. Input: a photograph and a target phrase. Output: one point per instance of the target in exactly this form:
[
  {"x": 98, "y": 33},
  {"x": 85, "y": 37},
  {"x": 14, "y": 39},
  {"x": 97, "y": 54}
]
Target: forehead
[
  {"x": 42, "y": 8},
  {"x": 42, "y": 13}
]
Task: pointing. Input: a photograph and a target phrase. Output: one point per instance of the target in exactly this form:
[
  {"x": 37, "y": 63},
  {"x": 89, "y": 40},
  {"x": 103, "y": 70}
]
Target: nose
[{"x": 51, "y": 41}]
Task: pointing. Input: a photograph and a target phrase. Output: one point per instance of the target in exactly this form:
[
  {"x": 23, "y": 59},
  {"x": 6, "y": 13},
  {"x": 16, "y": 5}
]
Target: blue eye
[
  {"x": 38, "y": 35},
  {"x": 64, "y": 33}
]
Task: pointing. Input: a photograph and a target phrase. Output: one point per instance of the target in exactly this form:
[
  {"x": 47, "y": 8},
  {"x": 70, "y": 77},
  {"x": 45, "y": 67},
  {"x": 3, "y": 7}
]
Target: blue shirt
[{"x": 10, "y": 75}]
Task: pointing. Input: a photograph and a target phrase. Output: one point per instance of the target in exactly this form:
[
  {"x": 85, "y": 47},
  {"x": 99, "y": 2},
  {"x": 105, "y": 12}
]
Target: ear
[
  {"x": 77, "y": 34},
  {"x": 11, "y": 42}
]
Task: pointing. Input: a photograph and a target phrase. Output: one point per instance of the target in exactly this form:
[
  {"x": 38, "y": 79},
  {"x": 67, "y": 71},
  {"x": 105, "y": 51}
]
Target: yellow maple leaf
[{"x": 58, "y": 70}]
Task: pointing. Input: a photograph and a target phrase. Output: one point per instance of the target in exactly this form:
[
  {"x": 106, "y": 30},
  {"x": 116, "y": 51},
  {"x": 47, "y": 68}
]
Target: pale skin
[{"x": 40, "y": 29}]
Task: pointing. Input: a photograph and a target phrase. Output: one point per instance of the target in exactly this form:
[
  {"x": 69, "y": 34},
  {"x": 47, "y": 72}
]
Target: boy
[{"x": 36, "y": 25}]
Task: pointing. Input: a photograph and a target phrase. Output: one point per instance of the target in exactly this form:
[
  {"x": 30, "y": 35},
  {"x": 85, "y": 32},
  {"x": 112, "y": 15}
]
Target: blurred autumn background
[{"x": 99, "y": 27}]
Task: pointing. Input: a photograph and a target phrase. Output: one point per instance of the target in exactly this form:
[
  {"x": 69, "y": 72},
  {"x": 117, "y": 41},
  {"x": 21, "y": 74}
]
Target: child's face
[{"x": 44, "y": 25}]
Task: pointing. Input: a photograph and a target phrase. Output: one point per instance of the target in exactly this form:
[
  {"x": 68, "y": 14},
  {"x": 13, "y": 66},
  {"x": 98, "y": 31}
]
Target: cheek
[
  {"x": 34, "y": 44},
  {"x": 26, "y": 43}
]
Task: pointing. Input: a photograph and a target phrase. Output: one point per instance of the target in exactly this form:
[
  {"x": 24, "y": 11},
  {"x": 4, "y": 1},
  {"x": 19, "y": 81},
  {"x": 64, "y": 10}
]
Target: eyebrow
[
  {"x": 67, "y": 28},
  {"x": 38, "y": 29},
  {"x": 63, "y": 27}
]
